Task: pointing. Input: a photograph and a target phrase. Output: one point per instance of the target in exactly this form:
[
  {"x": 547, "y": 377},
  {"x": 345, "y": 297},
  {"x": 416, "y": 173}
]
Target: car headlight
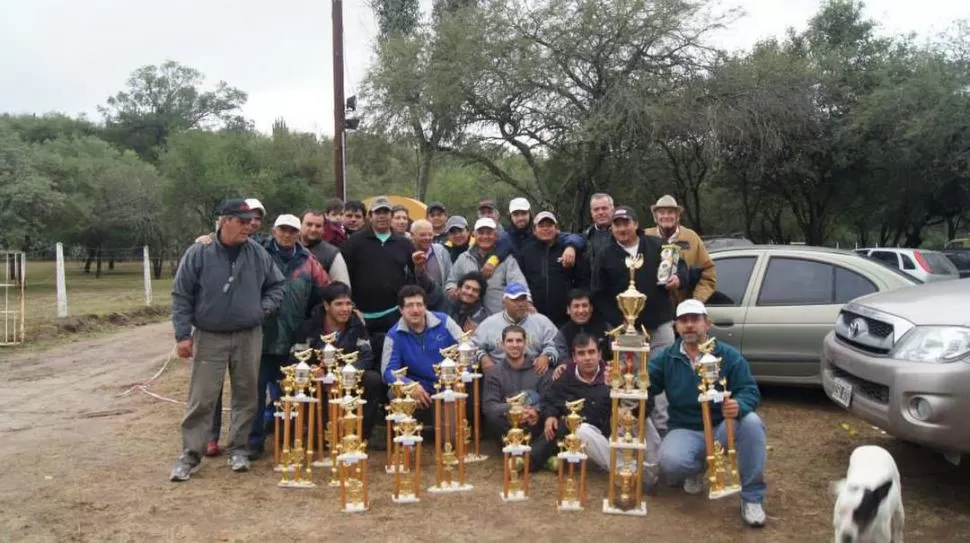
[{"x": 933, "y": 344}]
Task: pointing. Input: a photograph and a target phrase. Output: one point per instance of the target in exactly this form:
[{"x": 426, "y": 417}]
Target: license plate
[{"x": 841, "y": 392}]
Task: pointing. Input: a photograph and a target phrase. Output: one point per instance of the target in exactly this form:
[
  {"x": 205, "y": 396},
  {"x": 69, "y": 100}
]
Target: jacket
[
  {"x": 549, "y": 281},
  {"x": 513, "y": 241},
  {"x": 614, "y": 277},
  {"x": 215, "y": 294},
  {"x": 440, "y": 254},
  {"x": 597, "y": 239},
  {"x": 419, "y": 352},
  {"x": 330, "y": 258},
  {"x": 305, "y": 280},
  {"x": 354, "y": 338},
  {"x": 379, "y": 269},
  {"x": 334, "y": 233},
  {"x": 673, "y": 373},
  {"x": 596, "y": 327},
  {"x": 506, "y": 272},
  {"x": 541, "y": 337},
  {"x": 598, "y": 407},
  {"x": 702, "y": 275},
  {"x": 468, "y": 318},
  {"x": 503, "y": 381}
]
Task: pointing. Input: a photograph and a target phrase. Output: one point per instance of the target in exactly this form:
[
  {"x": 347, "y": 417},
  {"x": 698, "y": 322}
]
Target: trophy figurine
[
  {"x": 572, "y": 452},
  {"x": 669, "y": 257},
  {"x": 407, "y": 450},
  {"x": 324, "y": 375},
  {"x": 449, "y": 409},
  {"x": 298, "y": 425},
  {"x": 629, "y": 384},
  {"x": 341, "y": 392},
  {"x": 352, "y": 460},
  {"x": 722, "y": 474},
  {"x": 396, "y": 413},
  {"x": 470, "y": 374},
  {"x": 515, "y": 452}
]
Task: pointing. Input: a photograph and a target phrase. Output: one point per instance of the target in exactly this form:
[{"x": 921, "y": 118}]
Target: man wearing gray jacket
[
  {"x": 223, "y": 290},
  {"x": 505, "y": 273},
  {"x": 510, "y": 377}
]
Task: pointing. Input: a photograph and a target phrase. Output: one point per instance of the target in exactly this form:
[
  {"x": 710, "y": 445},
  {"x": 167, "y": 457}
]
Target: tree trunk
[
  {"x": 89, "y": 260},
  {"x": 111, "y": 264},
  {"x": 425, "y": 157},
  {"x": 97, "y": 273}
]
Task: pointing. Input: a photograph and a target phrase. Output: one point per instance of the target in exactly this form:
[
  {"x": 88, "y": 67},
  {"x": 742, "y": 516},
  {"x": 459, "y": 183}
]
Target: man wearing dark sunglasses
[{"x": 224, "y": 290}]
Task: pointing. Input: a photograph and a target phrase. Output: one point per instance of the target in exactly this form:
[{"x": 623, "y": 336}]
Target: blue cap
[{"x": 516, "y": 290}]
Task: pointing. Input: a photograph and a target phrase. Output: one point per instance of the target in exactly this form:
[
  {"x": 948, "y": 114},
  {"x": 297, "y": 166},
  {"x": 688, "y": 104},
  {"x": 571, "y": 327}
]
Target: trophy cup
[
  {"x": 325, "y": 379},
  {"x": 298, "y": 410},
  {"x": 629, "y": 381},
  {"x": 722, "y": 471},
  {"x": 470, "y": 374},
  {"x": 349, "y": 378},
  {"x": 669, "y": 257},
  {"x": 571, "y": 497},
  {"x": 395, "y": 413},
  {"x": 449, "y": 407},
  {"x": 352, "y": 460},
  {"x": 516, "y": 451},
  {"x": 407, "y": 450}
]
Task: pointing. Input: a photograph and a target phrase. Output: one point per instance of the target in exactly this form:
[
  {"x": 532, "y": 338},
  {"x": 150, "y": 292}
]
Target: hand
[
  {"x": 420, "y": 258},
  {"x": 730, "y": 408},
  {"x": 487, "y": 270},
  {"x": 204, "y": 239},
  {"x": 531, "y": 416},
  {"x": 568, "y": 259},
  {"x": 184, "y": 348},
  {"x": 541, "y": 365},
  {"x": 673, "y": 283},
  {"x": 421, "y": 396},
  {"x": 487, "y": 363},
  {"x": 557, "y": 373},
  {"x": 552, "y": 424}
]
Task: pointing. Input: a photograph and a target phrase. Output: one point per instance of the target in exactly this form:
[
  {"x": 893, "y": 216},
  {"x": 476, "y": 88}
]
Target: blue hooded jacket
[{"x": 419, "y": 352}]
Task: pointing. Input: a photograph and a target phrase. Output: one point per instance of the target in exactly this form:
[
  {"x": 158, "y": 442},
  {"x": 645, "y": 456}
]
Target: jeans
[
  {"x": 660, "y": 337},
  {"x": 682, "y": 455},
  {"x": 269, "y": 374}
]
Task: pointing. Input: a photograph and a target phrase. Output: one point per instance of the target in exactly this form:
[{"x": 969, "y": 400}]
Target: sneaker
[
  {"x": 255, "y": 453},
  {"x": 753, "y": 514},
  {"x": 694, "y": 485},
  {"x": 239, "y": 463},
  {"x": 212, "y": 448},
  {"x": 553, "y": 464},
  {"x": 183, "y": 470}
]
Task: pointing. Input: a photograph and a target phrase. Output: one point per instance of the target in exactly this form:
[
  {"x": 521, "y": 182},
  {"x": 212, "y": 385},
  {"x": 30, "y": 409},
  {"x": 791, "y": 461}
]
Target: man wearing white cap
[
  {"x": 514, "y": 239},
  {"x": 683, "y": 451},
  {"x": 472, "y": 260}
]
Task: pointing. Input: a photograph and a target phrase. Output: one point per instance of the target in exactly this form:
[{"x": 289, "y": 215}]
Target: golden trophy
[
  {"x": 629, "y": 381},
  {"x": 325, "y": 377},
  {"x": 298, "y": 414},
  {"x": 407, "y": 450},
  {"x": 400, "y": 402},
  {"x": 342, "y": 391},
  {"x": 352, "y": 460},
  {"x": 449, "y": 409},
  {"x": 516, "y": 451},
  {"x": 572, "y": 451},
  {"x": 722, "y": 474},
  {"x": 470, "y": 374},
  {"x": 669, "y": 258}
]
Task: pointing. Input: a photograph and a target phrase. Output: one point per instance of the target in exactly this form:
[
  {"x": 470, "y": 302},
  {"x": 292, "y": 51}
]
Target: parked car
[
  {"x": 901, "y": 360},
  {"x": 961, "y": 259},
  {"x": 721, "y": 241},
  {"x": 927, "y": 266},
  {"x": 959, "y": 243},
  {"x": 776, "y": 303}
]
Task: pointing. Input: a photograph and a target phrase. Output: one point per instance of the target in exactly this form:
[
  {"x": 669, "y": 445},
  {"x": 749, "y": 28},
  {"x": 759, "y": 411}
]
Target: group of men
[{"x": 538, "y": 300}]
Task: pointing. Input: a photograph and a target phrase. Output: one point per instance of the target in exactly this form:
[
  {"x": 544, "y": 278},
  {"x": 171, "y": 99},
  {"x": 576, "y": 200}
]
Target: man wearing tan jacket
[{"x": 703, "y": 276}]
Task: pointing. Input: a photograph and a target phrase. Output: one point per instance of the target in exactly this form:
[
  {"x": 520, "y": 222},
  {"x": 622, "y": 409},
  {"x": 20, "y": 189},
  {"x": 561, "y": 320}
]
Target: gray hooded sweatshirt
[{"x": 501, "y": 382}]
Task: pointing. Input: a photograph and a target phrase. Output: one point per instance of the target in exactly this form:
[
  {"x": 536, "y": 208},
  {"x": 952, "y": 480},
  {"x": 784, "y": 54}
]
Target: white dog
[{"x": 869, "y": 503}]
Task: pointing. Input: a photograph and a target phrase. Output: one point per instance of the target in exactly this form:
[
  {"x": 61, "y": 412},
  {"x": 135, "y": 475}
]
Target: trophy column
[
  {"x": 351, "y": 463},
  {"x": 449, "y": 410},
  {"x": 722, "y": 474},
  {"x": 407, "y": 450},
  {"x": 572, "y": 453},
  {"x": 325, "y": 379},
  {"x": 298, "y": 425},
  {"x": 471, "y": 375},
  {"x": 394, "y": 416},
  {"x": 515, "y": 451}
]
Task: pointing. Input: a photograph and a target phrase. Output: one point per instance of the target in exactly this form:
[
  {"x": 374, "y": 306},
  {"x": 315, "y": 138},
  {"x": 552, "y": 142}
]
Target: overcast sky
[{"x": 70, "y": 55}]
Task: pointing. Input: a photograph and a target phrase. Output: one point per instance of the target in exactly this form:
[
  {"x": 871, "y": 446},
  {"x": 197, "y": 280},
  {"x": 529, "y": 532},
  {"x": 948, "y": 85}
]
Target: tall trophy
[
  {"x": 325, "y": 377},
  {"x": 571, "y": 496},
  {"x": 515, "y": 452},
  {"x": 407, "y": 449},
  {"x": 342, "y": 391},
  {"x": 352, "y": 460},
  {"x": 470, "y": 374},
  {"x": 669, "y": 257},
  {"x": 449, "y": 410},
  {"x": 298, "y": 423},
  {"x": 722, "y": 470},
  {"x": 398, "y": 409},
  {"x": 629, "y": 381}
]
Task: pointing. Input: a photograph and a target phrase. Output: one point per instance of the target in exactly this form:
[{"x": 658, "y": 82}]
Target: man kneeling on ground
[{"x": 510, "y": 377}]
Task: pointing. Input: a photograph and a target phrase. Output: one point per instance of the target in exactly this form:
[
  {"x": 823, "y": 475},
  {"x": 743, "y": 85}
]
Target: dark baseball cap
[
  {"x": 437, "y": 205},
  {"x": 237, "y": 207},
  {"x": 625, "y": 213},
  {"x": 487, "y": 203}
]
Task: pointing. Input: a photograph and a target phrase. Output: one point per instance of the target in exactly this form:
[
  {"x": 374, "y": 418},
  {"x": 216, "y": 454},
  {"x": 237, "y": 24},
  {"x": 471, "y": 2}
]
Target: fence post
[
  {"x": 61, "y": 288},
  {"x": 146, "y": 265}
]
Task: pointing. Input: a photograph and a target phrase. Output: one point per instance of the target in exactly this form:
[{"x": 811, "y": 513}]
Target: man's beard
[{"x": 690, "y": 337}]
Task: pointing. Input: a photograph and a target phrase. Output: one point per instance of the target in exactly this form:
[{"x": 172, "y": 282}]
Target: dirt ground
[{"x": 81, "y": 464}]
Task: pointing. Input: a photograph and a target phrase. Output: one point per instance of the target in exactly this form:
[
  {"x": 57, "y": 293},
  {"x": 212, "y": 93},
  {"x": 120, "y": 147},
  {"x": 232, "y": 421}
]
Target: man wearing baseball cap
[
  {"x": 702, "y": 275},
  {"x": 437, "y": 214},
  {"x": 514, "y": 240},
  {"x": 541, "y": 334},
  {"x": 682, "y": 451},
  {"x": 541, "y": 260},
  {"x": 475, "y": 258},
  {"x": 459, "y": 238}
]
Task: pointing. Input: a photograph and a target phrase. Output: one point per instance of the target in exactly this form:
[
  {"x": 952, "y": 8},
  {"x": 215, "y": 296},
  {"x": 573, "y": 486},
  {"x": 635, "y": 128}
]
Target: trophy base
[
  {"x": 334, "y": 484},
  {"x": 723, "y": 493},
  {"x": 391, "y": 470},
  {"x": 472, "y": 457},
  {"x": 638, "y": 511},
  {"x": 516, "y": 496},
  {"x": 280, "y": 468},
  {"x": 570, "y": 505},
  {"x": 325, "y": 463},
  {"x": 405, "y": 498},
  {"x": 354, "y": 508},
  {"x": 296, "y": 484},
  {"x": 444, "y": 488},
  {"x": 572, "y": 457},
  {"x": 635, "y": 394}
]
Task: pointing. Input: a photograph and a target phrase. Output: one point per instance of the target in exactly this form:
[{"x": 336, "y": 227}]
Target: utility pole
[{"x": 339, "y": 124}]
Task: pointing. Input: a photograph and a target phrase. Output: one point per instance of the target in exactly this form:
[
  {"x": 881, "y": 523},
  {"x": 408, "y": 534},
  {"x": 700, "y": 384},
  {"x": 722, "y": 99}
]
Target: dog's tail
[{"x": 868, "y": 506}]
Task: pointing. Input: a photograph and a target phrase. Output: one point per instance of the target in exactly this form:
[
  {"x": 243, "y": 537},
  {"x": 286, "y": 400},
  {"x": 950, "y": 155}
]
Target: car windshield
[{"x": 939, "y": 263}]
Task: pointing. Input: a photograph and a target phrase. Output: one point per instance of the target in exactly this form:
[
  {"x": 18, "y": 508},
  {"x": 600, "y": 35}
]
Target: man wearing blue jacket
[{"x": 682, "y": 452}]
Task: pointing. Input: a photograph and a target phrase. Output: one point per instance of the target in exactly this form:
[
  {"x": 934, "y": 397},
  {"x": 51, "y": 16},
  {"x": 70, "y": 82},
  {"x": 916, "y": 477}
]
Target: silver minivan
[{"x": 926, "y": 266}]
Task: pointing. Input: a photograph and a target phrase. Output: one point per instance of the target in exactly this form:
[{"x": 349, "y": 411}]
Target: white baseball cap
[
  {"x": 287, "y": 220},
  {"x": 253, "y": 203},
  {"x": 545, "y": 215},
  {"x": 691, "y": 307},
  {"x": 486, "y": 222},
  {"x": 519, "y": 204}
]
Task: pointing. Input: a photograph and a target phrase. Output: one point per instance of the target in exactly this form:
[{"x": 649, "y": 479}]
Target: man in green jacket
[{"x": 683, "y": 451}]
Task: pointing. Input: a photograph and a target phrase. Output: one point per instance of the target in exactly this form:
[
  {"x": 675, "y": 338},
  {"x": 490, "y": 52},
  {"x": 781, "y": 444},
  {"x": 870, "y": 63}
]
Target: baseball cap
[
  {"x": 516, "y": 290},
  {"x": 287, "y": 220},
  {"x": 436, "y": 205},
  {"x": 487, "y": 202},
  {"x": 255, "y": 204},
  {"x": 236, "y": 207},
  {"x": 691, "y": 307},
  {"x": 519, "y": 204},
  {"x": 485, "y": 222},
  {"x": 380, "y": 202},
  {"x": 456, "y": 221},
  {"x": 543, "y": 216},
  {"x": 625, "y": 212}
]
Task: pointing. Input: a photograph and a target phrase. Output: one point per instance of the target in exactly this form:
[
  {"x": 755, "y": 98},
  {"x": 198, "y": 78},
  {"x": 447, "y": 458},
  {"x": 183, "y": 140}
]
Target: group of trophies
[{"x": 302, "y": 442}]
